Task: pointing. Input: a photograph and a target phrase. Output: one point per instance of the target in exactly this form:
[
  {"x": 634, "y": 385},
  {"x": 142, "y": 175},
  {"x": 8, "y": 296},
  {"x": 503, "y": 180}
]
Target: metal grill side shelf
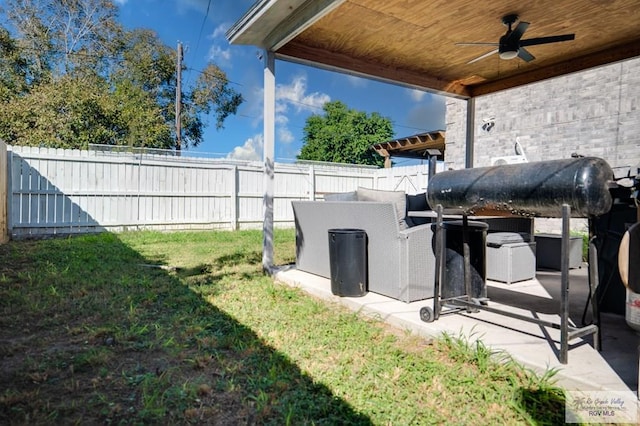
[{"x": 469, "y": 303}]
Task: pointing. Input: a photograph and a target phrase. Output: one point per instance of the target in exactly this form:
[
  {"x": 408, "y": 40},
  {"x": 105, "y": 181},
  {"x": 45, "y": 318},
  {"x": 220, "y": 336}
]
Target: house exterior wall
[{"x": 591, "y": 113}]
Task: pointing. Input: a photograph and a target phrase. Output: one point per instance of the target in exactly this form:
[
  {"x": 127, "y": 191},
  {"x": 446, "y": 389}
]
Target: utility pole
[{"x": 179, "y": 99}]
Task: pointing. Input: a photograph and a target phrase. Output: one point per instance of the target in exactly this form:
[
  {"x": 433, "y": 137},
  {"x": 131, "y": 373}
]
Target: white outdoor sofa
[{"x": 401, "y": 262}]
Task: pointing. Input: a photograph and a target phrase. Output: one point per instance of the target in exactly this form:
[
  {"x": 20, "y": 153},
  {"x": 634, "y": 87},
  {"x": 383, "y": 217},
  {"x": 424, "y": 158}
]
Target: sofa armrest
[{"x": 418, "y": 269}]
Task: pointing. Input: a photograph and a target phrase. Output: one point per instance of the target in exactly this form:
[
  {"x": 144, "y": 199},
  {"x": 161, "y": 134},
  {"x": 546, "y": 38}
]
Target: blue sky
[{"x": 300, "y": 90}]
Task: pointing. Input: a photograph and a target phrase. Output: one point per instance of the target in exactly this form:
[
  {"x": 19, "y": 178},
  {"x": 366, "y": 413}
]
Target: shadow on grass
[
  {"x": 544, "y": 406},
  {"x": 88, "y": 335},
  {"x": 238, "y": 258}
]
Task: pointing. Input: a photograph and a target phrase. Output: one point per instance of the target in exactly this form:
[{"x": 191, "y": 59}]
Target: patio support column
[
  {"x": 268, "y": 156},
  {"x": 470, "y": 133}
]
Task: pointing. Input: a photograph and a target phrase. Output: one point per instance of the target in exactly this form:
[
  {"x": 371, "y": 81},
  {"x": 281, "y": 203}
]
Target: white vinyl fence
[{"x": 55, "y": 191}]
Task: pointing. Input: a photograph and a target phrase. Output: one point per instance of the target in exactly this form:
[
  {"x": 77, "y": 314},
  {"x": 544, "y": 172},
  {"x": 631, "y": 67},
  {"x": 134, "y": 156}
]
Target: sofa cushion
[
  {"x": 417, "y": 202},
  {"x": 341, "y": 196},
  {"x": 397, "y": 198}
]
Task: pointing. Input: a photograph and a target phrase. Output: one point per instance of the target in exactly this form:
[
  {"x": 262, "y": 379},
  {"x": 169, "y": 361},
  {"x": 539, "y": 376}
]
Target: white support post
[{"x": 268, "y": 156}]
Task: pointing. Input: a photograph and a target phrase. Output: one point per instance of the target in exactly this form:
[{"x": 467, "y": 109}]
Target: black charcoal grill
[{"x": 576, "y": 187}]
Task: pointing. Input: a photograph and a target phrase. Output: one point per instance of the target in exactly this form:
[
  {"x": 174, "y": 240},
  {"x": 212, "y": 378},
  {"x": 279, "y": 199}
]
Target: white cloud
[
  {"x": 285, "y": 135},
  {"x": 250, "y": 151},
  {"x": 294, "y": 94},
  {"x": 416, "y": 95},
  {"x": 282, "y": 119},
  {"x": 120, "y": 2},
  {"x": 357, "y": 81},
  {"x": 222, "y": 57},
  {"x": 220, "y": 30},
  {"x": 293, "y": 98}
]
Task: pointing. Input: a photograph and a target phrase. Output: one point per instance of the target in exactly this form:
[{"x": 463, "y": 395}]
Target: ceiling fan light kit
[
  {"x": 511, "y": 44},
  {"x": 508, "y": 54}
]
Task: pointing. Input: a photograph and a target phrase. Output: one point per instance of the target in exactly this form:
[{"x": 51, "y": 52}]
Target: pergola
[
  {"x": 425, "y": 146},
  {"x": 414, "y": 44}
]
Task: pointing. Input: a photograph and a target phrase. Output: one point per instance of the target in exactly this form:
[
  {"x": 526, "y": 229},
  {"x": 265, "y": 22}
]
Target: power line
[
  {"x": 204, "y": 21},
  {"x": 214, "y": 76},
  {"x": 412, "y": 128},
  {"x": 202, "y": 27}
]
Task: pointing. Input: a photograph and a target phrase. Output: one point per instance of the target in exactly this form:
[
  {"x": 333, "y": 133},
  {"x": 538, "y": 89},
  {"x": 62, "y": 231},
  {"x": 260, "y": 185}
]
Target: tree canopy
[
  {"x": 344, "y": 135},
  {"x": 71, "y": 75}
]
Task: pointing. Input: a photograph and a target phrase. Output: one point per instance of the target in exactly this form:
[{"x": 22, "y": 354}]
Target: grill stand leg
[
  {"x": 593, "y": 287},
  {"x": 439, "y": 263},
  {"x": 568, "y": 332},
  {"x": 466, "y": 255},
  {"x": 564, "y": 282}
]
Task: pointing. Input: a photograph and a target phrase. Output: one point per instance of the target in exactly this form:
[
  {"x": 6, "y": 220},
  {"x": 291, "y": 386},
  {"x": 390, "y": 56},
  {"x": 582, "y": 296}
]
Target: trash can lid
[
  {"x": 346, "y": 231},
  {"x": 472, "y": 225}
]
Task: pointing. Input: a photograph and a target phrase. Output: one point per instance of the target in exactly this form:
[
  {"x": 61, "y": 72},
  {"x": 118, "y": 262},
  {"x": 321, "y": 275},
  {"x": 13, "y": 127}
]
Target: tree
[
  {"x": 344, "y": 135},
  {"x": 14, "y": 69},
  {"x": 67, "y": 36},
  {"x": 151, "y": 66},
  {"x": 123, "y": 83},
  {"x": 66, "y": 113},
  {"x": 144, "y": 84},
  {"x": 212, "y": 92}
]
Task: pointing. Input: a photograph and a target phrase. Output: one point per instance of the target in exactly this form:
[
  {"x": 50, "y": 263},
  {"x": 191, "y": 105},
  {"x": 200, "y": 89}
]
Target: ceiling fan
[{"x": 511, "y": 43}]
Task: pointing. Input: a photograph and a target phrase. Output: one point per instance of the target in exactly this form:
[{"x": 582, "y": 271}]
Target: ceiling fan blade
[
  {"x": 518, "y": 32},
  {"x": 545, "y": 40},
  {"x": 480, "y": 43},
  {"x": 525, "y": 55},
  {"x": 483, "y": 56}
]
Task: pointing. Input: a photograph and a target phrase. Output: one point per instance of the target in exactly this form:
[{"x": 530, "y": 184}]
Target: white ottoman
[{"x": 511, "y": 257}]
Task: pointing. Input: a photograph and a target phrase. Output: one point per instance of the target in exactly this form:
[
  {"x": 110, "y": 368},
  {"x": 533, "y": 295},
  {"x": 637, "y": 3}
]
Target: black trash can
[
  {"x": 453, "y": 280},
  {"x": 348, "y": 262}
]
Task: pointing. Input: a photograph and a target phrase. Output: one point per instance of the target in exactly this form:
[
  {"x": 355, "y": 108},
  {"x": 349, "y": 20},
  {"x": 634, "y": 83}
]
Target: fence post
[
  {"x": 312, "y": 183},
  {"x": 234, "y": 198},
  {"x": 4, "y": 177}
]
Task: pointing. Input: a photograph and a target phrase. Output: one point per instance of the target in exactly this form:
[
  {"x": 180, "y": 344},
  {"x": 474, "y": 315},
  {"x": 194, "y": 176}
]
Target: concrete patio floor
[{"x": 614, "y": 368}]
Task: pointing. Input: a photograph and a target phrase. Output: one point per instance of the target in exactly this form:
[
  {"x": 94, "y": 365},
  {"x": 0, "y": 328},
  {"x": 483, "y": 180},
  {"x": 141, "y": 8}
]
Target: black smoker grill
[{"x": 577, "y": 187}]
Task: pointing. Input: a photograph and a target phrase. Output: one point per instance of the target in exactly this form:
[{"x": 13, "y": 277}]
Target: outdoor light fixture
[{"x": 509, "y": 54}]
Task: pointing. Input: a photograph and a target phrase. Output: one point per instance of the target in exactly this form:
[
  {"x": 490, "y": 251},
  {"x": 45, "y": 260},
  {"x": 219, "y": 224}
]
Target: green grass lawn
[{"x": 93, "y": 332}]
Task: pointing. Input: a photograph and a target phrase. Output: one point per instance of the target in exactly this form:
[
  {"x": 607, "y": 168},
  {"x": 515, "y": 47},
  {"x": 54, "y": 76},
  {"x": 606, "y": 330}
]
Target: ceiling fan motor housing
[{"x": 508, "y": 49}]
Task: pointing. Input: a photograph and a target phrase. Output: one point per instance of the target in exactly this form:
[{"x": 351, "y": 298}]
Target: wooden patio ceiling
[{"x": 413, "y": 43}]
